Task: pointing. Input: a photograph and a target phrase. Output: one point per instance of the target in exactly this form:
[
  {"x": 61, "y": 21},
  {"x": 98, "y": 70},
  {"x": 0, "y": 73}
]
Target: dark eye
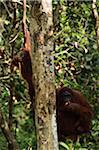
[{"x": 66, "y": 96}]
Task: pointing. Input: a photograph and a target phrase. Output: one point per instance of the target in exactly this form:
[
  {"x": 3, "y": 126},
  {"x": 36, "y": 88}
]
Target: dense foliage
[
  {"x": 76, "y": 65},
  {"x": 76, "y": 60}
]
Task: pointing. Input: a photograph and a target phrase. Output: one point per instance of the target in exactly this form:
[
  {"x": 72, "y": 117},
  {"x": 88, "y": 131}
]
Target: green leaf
[{"x": 64, "y": 145}]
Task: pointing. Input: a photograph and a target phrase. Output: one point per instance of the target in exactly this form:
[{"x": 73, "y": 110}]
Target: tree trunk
[
  {"x": 96, "y": 16},
  {"x": 41, "y": 29}
]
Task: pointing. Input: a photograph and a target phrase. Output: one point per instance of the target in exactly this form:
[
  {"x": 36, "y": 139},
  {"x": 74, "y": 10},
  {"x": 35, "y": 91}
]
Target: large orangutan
[{"x": 74, "y": 114}]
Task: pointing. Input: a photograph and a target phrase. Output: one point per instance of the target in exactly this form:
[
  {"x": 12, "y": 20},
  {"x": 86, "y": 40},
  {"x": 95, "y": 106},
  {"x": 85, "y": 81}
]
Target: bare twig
[
  {"x": 13, "y": 39},
  {"x": 7, "y": 9},
  {"x": 18, "y": 2},
  {"x": 5, "y": 77}
]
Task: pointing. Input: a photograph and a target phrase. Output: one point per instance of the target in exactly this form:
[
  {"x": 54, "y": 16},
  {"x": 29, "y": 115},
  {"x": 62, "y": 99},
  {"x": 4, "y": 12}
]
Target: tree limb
[
  {"x": 7, "y": 133},
  {"x": 96, "y": 16}
]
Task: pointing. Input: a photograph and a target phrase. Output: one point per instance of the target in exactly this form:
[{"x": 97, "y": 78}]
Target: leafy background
[{"x": 76, "y": 65}]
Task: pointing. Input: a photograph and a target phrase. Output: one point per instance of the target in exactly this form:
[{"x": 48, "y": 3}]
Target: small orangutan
[
  {"x": 24, "y": 64},
  {"x": 74, "y": 114}
]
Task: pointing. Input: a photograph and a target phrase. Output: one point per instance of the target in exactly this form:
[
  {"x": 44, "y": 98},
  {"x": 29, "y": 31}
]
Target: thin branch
[
  {"x": 6, "y": 9},
  {"x": 16, "y": 36},
  {"x": 7, "y": 133},
  {"x": 94, "y": 9},
  {"x": 24, "y": 17},
  {"x": 17, "y": 1},
  {"x": 27, "y": 44},
  {"x": 5, "y": 77}
]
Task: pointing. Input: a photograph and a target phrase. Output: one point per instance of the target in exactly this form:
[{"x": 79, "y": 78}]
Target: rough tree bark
[
  {"x": 96, "y": 16},
  {"x": 41, "y": 29}
]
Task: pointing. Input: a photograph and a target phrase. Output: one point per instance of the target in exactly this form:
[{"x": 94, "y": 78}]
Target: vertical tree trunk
[
  {"x": 96, "y": 16},
  {"x": 41, "y": 29}
]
